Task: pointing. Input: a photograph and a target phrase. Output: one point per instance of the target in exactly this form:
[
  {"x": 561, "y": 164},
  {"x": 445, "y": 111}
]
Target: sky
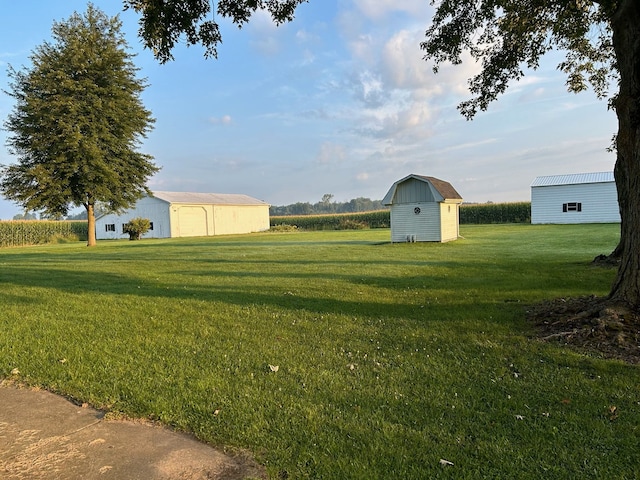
[{"x": 339, "y": 101}]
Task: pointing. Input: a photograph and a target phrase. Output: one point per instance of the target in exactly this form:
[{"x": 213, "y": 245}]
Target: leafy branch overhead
[
  {"x": 164, "y": 22},
  {"x": 506, "y": 36}
]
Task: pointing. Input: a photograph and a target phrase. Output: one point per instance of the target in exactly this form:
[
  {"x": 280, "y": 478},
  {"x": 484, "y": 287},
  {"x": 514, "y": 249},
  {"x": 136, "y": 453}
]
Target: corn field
[
  {"x": 517, "y": 212},
  {"x": 487, "y": 213},
  {"x": 339, "y": 221},
  {"x": 36, "y": 232}
]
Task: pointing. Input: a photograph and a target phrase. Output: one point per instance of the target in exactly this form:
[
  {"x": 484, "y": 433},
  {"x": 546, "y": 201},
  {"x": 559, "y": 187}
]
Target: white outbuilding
[
  {"x": 181, "y": 214},
  {"x": 423, "y": 209},
  {"x": 575, "y": 198}
]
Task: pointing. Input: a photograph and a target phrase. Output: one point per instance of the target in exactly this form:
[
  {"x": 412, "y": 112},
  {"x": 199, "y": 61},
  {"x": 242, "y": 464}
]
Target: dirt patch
[{"x": 589, "y": 324}]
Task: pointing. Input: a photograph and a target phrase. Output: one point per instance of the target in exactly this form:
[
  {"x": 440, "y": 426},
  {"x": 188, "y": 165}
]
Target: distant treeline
[
  {"x": 325, "y": 206},
  {"x": 486, "y": 213}
]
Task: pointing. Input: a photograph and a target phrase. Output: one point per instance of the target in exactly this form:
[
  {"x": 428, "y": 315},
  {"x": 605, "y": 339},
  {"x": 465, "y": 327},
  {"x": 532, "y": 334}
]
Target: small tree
[
  {"x": 77, "y": 122},
  {"x": 137, "y": 227}
]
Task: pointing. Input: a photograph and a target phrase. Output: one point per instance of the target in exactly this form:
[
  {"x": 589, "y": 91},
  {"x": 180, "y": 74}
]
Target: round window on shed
[{"x": 416, "y": 210}]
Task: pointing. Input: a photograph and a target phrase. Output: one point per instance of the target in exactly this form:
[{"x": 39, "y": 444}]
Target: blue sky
[{"x": 338, "y": 101}]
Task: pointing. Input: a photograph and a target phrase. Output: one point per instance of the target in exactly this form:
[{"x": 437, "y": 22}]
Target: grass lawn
[{"x": 390, "y": 358}]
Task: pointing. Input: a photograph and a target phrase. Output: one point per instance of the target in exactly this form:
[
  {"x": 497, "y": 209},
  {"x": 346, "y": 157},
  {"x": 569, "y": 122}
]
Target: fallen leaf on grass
[
  {"x": 15, "y": 371},
  {"x": 446, "y": 463},
  {"x": 274, "y": 368},
  {"x": 613, "y": 412}
]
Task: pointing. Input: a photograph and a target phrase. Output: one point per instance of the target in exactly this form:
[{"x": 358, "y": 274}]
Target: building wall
[
  {"x": 414, "y": 191},
  {"x": 449, "y": 215},
  {"x": 191, "y": 221},
  {"x": 598, "y": 203},
  {"x": 157, "y": 211},
  {"x": 180, "y": 220},
  {"x": 230, "y": 219},
  {"x": 208, "y": 220},
  {"x": 423, "y": 226}
]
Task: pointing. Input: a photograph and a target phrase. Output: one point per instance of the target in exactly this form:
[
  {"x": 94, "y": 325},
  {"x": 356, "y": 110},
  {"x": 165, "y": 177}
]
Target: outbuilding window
[
  {"x": 110, "y": 227},
  {"x": 572, "y": 207},
  {"x": 150, "y": 225}
]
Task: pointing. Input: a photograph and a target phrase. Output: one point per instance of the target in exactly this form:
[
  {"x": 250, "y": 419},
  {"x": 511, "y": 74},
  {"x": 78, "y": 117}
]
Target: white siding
[
  {"x": 414, "y": 191},
  {"x": 449, "y": 222},
  {"x": 599, "y": 203},
  {"x": 424, "y": 226},
  {"x": 240, "y": 218},
  {"x": 157, "y": 211},
  {"x": 190, "y": 219}
]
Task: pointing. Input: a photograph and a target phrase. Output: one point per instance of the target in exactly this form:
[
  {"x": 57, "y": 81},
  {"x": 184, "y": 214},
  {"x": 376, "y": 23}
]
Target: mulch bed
[{"x": 589, "y": 324}]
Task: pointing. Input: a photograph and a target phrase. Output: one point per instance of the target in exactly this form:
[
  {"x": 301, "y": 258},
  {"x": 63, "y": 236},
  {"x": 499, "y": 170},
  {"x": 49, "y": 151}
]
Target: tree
[
  {"x": 25, "y": 216},
  {"x": 601, "y": 39},
  {"x": 77, "y": 122}
]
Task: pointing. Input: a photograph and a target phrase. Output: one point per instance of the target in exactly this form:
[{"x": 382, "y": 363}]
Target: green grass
[{"x": 390, "y": 356}]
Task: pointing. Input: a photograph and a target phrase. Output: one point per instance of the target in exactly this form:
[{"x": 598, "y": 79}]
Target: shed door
[{"x": 192, "y": 221}]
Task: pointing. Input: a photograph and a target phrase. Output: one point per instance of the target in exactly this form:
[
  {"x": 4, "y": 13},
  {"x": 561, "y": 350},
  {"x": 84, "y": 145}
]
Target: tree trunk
[
  {"x": 91, "y": 226},
  {"x": 626, "y": 42}
]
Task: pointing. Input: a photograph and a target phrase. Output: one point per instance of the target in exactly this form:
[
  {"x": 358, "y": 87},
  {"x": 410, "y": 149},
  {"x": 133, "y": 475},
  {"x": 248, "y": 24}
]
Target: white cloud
[
  {"x": 331, "y": 153},
  {"x": 380, "y": 9},
  {"x": 224, "y": 120}
]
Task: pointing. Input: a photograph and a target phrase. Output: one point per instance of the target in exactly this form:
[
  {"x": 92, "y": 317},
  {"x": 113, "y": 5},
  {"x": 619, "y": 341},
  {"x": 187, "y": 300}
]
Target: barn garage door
[{"x": 192, "y": 221}]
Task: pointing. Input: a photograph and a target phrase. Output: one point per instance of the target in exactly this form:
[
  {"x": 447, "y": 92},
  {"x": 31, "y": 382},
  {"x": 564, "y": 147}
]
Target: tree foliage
[
  {"x": 164, "y": 22},
  {"x": 508, "y": 35},
  {"x": 77, "y": 122}
]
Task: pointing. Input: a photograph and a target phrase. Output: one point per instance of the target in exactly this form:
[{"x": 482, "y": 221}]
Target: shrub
[
  {"x": 351, "y": 224},
  {"x": 136, "y": 227},
  {"x": 283, "y": 227}
]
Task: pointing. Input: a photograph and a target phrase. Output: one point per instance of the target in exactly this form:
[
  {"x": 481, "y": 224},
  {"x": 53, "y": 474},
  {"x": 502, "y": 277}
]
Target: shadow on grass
[{"x": 268, "y": 293}]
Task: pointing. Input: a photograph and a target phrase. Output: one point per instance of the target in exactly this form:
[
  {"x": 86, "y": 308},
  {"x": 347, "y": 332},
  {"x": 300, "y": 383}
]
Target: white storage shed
[
  {"x": 180, "y": 214},
  {"x": 575, "y": 198},
  {"x": 423, "y": 209}
]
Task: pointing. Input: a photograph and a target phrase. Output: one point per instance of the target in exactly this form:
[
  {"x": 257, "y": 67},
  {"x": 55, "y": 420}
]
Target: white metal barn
[
  {"x": 575, "y": 198},
  {"x": 177, "y": 214},
  {"x": 423, "y": 209}
]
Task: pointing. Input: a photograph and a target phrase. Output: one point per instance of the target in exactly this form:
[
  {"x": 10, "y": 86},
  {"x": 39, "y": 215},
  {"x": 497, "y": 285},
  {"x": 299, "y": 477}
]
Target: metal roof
[
  {"x": 573, "y": 179},
  {"x": 208, "y": 198}
]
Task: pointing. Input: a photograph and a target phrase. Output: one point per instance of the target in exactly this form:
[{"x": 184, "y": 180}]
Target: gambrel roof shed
[
  {"x": 434, "y": 190},
  {"x": 423, "y": 209}
]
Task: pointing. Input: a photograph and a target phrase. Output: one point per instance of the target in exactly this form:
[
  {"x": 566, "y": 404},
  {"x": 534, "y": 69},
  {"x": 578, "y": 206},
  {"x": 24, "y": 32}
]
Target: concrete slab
[{"x": 44, "y": 436}]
